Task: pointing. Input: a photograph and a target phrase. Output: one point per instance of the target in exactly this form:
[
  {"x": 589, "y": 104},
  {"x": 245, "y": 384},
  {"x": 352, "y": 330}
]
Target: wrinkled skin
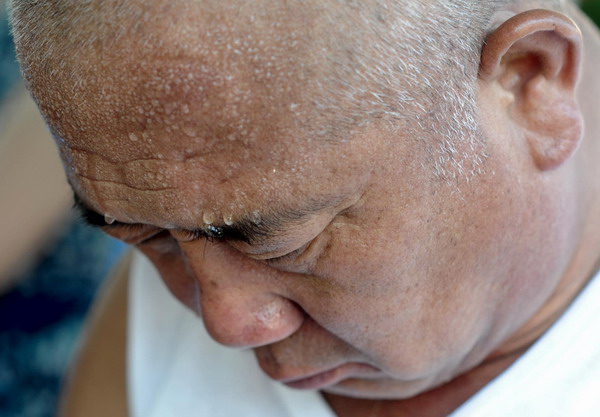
[
  {"x": 415, "y": 277},
  {"x": 399, "y": 281}
]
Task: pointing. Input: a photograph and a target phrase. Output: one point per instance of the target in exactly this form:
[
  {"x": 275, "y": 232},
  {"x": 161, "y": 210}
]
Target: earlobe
[{"x": 536, "y": 56}]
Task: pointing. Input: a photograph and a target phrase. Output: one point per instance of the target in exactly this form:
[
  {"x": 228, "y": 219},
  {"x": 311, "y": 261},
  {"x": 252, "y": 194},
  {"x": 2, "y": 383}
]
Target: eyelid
[
  {"x": 187, "y": 235},
  {"x": 156, "y": 233},
  {"x": 309, "y": 252},
  {"x": 134, "y": 234},
  {"x": 290, "y": 256},
  {"x": 181, "y": 235},
  {"x": 282, "y": 258},
  {"x": 118, "y": 225}
]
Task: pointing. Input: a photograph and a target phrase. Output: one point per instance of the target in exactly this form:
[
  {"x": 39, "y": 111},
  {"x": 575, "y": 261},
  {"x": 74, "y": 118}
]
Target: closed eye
[
  {"x": 284, "y": 258},
  {"x": 159, "y": 235},
  {"x": 133, "y": 234},
  {"x": 288, "y": 257},
  {"x": 304, "y": 258},
  {"x": 186, "y": 236}
]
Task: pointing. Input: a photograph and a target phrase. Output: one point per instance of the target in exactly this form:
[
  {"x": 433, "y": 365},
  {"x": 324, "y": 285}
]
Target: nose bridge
[{"x": 240, "y": 301}]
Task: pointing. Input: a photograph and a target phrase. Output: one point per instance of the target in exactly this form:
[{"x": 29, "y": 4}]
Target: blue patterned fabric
[{"x": 41, "y": 319}]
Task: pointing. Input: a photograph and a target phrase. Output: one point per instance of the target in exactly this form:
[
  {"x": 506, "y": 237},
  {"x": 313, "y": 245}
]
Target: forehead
[
  {"x": 264, "y": 181},
  {"x": 192, "y": 67},
  {"x": 179, "y": 186},
  {"x": 220, "y": 116}
]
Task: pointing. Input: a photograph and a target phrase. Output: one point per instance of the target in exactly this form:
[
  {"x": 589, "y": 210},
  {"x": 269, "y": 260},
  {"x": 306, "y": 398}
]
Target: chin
[{"x": 379, "y": 389}]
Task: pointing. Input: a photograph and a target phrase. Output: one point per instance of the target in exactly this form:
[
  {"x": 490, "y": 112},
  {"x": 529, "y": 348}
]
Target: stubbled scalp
[{"x": 208, "y": 69}]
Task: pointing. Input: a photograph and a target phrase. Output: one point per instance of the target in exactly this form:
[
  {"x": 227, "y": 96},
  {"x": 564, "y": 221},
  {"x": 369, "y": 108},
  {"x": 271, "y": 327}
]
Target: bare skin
[
  {"x": 393, "y": 284},
  {"x": 443, "y": 400}
]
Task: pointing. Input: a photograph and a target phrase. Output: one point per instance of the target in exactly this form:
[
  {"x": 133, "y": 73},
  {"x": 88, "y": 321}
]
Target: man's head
[
  {"x": 327, "y": 182},
  {"x": 354, "y": 63}
]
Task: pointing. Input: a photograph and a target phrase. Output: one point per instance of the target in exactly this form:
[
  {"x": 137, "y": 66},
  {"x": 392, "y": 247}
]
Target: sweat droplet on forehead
[
  {"x": 215, "y": 104},
  {"x": 208, "y": 217}
]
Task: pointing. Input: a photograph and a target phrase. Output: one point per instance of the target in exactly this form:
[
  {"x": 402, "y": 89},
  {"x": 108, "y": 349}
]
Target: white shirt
[{"x": 176, "y": 369}]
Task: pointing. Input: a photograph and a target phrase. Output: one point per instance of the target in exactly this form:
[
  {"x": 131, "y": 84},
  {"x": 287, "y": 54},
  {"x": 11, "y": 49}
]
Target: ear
[{"x": 536, "y": 56}]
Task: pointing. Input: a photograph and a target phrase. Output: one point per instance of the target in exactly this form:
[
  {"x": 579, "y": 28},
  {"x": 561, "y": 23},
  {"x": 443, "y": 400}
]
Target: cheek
[
  {"x": 175, "y": 274},
  {"x": 539, "y": 251},
  {"x": 432, "y": 284},
  {"x": 372, "y": 295}
]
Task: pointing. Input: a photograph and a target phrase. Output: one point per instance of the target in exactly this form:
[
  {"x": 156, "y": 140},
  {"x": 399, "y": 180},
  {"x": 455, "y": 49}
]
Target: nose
[{"x": 239, "y": 299}]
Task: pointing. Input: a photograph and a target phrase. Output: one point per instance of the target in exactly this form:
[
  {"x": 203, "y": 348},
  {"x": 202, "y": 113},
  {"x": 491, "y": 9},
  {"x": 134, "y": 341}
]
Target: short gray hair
[{"x": 399, "y": 61}]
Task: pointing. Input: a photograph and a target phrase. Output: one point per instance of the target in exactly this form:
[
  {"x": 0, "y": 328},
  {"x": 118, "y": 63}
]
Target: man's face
[
  {"x": 384, "y": 282},
  {"x": 366, "y": 276}
]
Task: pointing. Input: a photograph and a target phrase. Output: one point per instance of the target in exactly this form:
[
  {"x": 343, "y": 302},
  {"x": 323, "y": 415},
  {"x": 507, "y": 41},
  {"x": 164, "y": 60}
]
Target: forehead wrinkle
[
  {"x": 248, "y": 228},
  {"x": 149, "y": 174},
  {"x": 125, "y": 184}
]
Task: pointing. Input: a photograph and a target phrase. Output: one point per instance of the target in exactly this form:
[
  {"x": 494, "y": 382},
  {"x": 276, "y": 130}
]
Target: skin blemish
[
  {"x": 189, "y": 131},
  {"x": 270, "y": 315}
]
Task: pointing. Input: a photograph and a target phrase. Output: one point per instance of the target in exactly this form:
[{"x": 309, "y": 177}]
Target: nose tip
[{"x": 241, "y": 321}]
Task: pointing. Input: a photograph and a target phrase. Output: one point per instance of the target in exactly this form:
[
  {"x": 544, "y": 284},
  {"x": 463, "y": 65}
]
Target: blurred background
[{"x": 51, "y": 264}]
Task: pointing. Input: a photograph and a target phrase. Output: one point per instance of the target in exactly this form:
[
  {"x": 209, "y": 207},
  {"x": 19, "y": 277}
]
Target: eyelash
[
  {"x": 190, "y": 236},
  {"x": 211, "y": 234}
]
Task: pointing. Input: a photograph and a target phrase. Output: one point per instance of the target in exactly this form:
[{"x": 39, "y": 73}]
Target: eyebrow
[{"x": 247, "y": 229}]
